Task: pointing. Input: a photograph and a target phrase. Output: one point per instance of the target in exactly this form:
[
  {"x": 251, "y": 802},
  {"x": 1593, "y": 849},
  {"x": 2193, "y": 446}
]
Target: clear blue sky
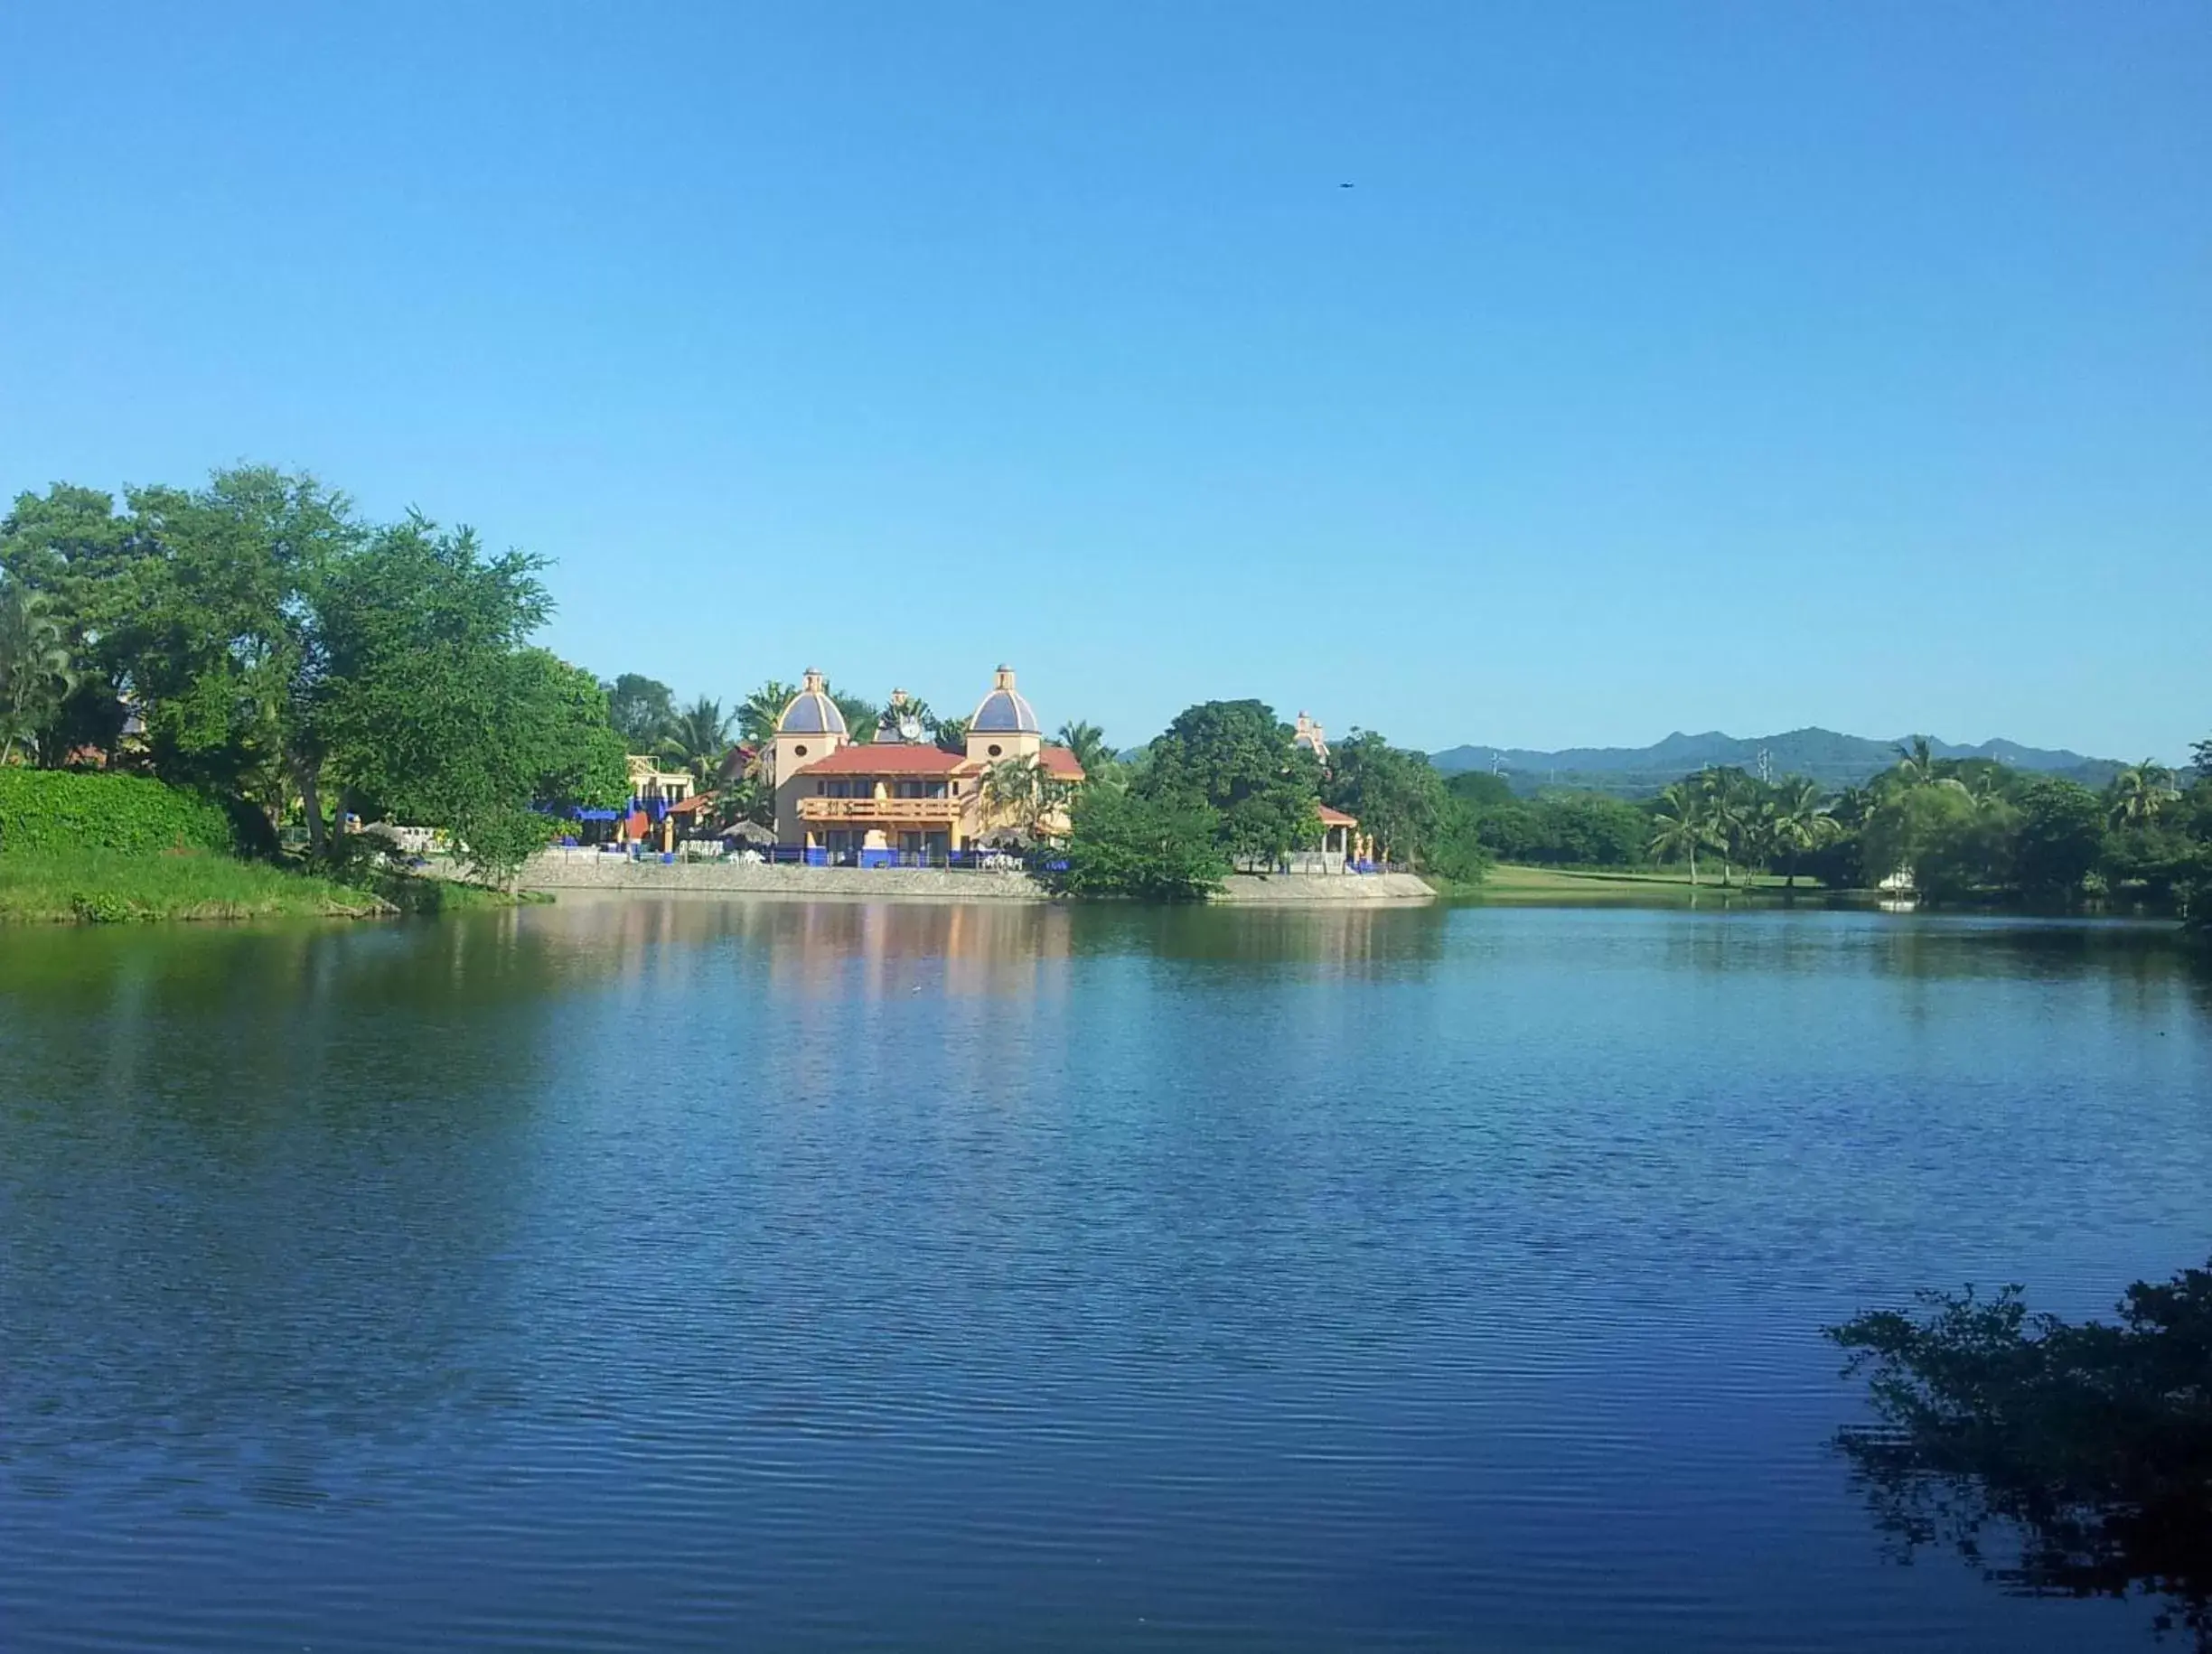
[{"x": 1740, "y": 365}]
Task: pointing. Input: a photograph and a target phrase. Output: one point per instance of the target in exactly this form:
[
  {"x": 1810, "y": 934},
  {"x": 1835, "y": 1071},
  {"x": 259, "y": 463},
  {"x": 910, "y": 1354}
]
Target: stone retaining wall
[
  {"x": 1327, "y": 890},
  {"x": 594, "y": 870},
  {"x": 558, "y": 869}
]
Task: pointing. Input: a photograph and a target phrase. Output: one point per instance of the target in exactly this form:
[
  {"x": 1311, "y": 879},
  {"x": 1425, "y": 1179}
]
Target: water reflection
[
  {"x": 2081, "y": 1455},
  {"x": 262, "y": 1192}
]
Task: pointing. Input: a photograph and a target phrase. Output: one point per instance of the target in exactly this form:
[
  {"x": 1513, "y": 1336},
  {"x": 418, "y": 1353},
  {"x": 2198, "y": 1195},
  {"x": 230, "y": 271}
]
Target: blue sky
[{"x": 1740, "y": 365}]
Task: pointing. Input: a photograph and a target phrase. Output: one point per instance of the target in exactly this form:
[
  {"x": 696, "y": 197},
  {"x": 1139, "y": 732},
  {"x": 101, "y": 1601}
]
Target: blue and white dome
[
  {"x": 812, "y": 711},
  {"x": 1004, "y": 711}
]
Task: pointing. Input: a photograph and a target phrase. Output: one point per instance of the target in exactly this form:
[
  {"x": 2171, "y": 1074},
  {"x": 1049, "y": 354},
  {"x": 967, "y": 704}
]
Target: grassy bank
[
  {"x": 110, "y": 886},
  {"x": 116, "y": 887}
]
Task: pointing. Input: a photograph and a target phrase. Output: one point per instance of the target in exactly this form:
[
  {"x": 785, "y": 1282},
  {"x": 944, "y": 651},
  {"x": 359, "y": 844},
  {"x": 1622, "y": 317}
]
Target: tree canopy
[
  {"x": 272, "y": 645},
  {"x": 1238, "y": 760}
]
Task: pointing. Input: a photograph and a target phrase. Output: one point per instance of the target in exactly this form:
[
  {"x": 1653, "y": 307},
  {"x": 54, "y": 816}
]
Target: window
[
  {"x": 799, "y": 752},
  {"x": 994, "y": 749}
]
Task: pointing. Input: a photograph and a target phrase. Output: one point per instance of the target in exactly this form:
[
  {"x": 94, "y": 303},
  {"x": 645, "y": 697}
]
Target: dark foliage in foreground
[{"x": 2085, "y": 1450}]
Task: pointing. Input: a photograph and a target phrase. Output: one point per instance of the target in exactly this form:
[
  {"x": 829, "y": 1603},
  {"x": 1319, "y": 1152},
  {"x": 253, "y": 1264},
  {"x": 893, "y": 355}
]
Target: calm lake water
[{"x": 697, "y": 1275}]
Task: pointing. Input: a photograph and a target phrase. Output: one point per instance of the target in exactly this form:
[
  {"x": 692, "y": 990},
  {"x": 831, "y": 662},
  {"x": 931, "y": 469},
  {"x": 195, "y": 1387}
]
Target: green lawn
[
  {"x": 1510, "y": 883},
  {"x": 107, "y": 886}
]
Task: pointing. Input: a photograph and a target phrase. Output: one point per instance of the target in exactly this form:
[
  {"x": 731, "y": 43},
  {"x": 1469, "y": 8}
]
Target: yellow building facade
[{"x": 901, "y": 793}]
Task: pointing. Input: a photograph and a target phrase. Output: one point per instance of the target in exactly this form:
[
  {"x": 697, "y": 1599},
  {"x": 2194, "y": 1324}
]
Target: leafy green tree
[
  {"x": 2059, "y": 836},
  {"x": 209, "y": 621},
  {"x": 1129, "y": 843},
  {"x": 1952, "y": 843},
  {"x": 433, "y": 709},
  {"x": 1682, "y": 825},
  {"x": 697, "y": 737},
  {"x": 1457, "y": 855},
  {"x": 2090, "y": 1445},
  {"x": 1480, "y": 788},
  {"x": 1238, "y": 759},
  {"x": 1397, "y": 794},
  {"x": 759, "y": 712},
  {"x": 35, "y": 674},
  {"x": 951, "y": 734},
  {"x": 642, "y": 710}
]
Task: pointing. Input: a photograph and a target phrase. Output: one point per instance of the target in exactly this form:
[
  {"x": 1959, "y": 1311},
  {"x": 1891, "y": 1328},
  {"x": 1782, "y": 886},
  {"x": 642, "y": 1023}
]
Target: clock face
[{"x": 909, "y": 729}]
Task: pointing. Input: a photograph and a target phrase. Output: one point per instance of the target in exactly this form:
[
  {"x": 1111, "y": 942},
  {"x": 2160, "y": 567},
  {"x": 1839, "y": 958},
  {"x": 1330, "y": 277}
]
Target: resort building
[{"x": 902, "y": 793}]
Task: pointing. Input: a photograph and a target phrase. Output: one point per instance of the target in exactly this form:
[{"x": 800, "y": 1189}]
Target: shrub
[{"x": 65, "y": 810}]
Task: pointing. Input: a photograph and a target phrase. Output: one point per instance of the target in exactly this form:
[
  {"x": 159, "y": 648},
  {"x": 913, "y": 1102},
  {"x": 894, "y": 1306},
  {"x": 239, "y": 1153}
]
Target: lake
[{"x": 697, "y": 1274}]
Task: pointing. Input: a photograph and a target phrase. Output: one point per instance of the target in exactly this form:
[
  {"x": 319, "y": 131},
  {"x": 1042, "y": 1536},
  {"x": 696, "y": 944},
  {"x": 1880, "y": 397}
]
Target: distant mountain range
[{"x": 1829, "y": 758}]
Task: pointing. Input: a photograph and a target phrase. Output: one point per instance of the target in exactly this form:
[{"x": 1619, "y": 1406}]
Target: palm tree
[
  {"x": 1916, "y": 762},
  {"x": 1797, "y": 820},
  {"x": 2139, "y": 792},
  {"x": 952, "y": 734},
  {"x": 699, "y": 738},
  {"x": 1019, "y": 789},
  {"x": 1681, "y": 824},
  {"x": 34, "y": 666},
  {"x": 761, "y": 711},
  {"x": 1088, "y": 742},
  {"x": 1731, "y": 815}
]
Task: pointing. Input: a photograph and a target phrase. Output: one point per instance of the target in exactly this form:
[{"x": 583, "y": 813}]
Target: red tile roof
[
  {"x": 1060, "y": 763},
  {"x": 691, "y": 806},
  {"x": 885, "y": 760},
  {"x": 1336, "y": 817}
]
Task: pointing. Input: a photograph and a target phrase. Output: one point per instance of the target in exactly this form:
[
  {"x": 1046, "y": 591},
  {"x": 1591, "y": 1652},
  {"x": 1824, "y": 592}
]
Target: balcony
[{"x": 904, "y": 812}]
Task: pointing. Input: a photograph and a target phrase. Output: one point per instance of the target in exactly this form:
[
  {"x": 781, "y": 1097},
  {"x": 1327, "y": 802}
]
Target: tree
[
  {"x": 862, "y": 716},
  {"x": 952, "y": 734},
  {"x": 1019, "y": 789},
  {"x": 1237, "y": 758},
  {"x": 35, "y": 674},
  {"x": 1088, "y": 743},
  {"x": 2060, "y": 836},
  {"x": 1681, "y": 825},
  {"x": 1795, "y": 820},
  {"x": 434, "y": 711},
  {"x": 209, "y": 619},
  {"x": 1128, "y": 843},
  {"x": 1397, "y": 794},
  {"x": 761, "y": 711},
  {"x": 697, "y": 738},
  {"x": 642, "y": 709},
  {"x": 1916, "y": 765},
  {"x": 1731, "y": 815},
  {"x": 2139, "y": 792},
  {"x": 2090, "y": 1445}
]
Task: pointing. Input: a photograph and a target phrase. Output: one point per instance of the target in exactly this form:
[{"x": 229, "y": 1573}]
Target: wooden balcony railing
[{"x": 945, "y": 810}]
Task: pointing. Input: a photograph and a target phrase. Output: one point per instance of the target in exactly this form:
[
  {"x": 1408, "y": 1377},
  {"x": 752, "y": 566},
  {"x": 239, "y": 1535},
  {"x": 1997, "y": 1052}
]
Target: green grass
[
  {"x": 1510, "y": 882},
  {"x": 107, "y": 886}
]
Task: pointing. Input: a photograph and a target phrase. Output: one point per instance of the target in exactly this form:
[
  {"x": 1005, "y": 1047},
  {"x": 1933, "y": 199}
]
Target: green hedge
[{"x": 71, "y": 809}]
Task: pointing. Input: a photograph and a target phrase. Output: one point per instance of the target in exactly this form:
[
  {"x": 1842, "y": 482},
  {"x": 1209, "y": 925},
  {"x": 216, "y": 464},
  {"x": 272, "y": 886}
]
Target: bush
[{"x": 68, "y": 809}]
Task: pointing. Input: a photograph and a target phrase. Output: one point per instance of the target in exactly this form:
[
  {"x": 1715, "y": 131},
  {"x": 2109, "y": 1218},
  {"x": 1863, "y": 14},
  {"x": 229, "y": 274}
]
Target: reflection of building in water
[
  {"x": 902, "y": 793},
  {"x": 828, "y": 949}
]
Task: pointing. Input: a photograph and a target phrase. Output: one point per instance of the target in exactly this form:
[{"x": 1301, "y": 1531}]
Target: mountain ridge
[{"x": 1826, "y": 755}]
